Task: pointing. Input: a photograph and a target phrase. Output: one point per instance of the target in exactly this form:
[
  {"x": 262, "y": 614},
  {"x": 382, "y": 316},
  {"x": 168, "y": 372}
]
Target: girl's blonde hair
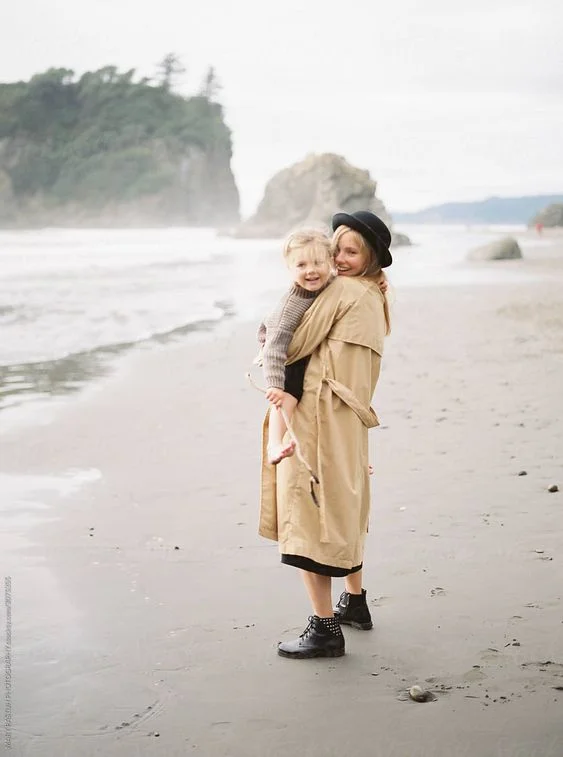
[
  {"x": 315, "y": 242},
  {"x": 373, "y": 269}
]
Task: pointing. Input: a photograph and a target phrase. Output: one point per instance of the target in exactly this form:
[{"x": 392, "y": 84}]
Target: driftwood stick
[{"x": 294, "y": 439}]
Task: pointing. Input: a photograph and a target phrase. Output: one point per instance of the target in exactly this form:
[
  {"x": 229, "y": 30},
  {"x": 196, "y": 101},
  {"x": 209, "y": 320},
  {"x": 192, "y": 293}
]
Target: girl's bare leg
[
  {"x": 277, "y": 449},
  {"x": 353, "y": 583},
  {"x": 319, "y": 589}
]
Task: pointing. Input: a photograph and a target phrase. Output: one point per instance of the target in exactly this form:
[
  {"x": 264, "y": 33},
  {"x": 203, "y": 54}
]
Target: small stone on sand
[{"x": 419, "y": 694}]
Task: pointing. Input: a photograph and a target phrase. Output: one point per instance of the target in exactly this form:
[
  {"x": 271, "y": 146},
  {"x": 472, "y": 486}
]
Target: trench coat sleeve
[{"x": 318, "y": 321}]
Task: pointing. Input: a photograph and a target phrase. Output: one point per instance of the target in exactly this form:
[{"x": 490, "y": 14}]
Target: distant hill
[{"x": 491, "y": 210}]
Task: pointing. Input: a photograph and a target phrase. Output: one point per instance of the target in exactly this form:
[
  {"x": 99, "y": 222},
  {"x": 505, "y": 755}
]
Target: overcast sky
[{"x": 440, "y": 100}]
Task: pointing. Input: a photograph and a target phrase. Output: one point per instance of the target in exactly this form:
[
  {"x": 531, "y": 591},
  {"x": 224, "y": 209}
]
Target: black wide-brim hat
[{"x": 373, "y": 230}]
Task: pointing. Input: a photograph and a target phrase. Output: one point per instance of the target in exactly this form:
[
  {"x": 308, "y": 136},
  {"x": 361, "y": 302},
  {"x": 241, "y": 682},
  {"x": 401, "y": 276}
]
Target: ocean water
[{"x": 72, "y": 301}]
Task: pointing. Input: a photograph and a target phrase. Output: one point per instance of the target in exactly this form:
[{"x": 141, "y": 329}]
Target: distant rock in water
[
  {"x": 105, "y": 150},
  {"x": 308, "y": 193},
  {"x": 502, "y": 249},
  {"x": 399, "y": 240},
  {"x": 550, "y": 216}
]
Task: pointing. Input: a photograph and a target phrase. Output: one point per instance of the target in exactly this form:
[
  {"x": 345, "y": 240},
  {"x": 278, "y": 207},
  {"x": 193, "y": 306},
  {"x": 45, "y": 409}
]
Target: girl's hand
[
  {"x": 383, "y": 285},
  {"x": 276, "y": 396}
]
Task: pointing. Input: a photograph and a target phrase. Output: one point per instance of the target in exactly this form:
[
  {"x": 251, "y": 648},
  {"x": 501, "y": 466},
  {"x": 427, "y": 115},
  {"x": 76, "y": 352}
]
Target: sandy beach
[{"x": 146, "y": 610}]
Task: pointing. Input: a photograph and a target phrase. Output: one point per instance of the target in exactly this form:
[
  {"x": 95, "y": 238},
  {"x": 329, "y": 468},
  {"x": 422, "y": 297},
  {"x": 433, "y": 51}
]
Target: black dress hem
[{"x": 305, "y": 563}]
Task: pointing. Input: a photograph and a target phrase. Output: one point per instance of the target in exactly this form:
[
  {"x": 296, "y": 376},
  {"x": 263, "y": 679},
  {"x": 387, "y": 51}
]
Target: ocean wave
[
  {"x": 183, "y": 262},
  {"x": 68, "y": 373},
  {"x": 217, "y": 311},
  {"x": 43, "y": 273}
]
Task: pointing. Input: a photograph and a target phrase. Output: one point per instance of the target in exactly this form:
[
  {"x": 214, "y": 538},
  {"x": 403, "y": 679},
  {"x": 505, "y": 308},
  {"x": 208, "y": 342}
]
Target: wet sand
[{"x": 146, "y": 610}]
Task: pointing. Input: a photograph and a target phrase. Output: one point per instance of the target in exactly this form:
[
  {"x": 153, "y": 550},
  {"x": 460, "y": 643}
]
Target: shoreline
[
  {"x": 119, "y": 636},
  {"x": 74, "y": 373}
]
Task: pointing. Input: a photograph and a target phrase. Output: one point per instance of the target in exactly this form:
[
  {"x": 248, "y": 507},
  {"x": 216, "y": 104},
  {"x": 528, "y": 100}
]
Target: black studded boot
[
  {"x": 322, "y": 638},
  {"x": 352, "y": 610}
]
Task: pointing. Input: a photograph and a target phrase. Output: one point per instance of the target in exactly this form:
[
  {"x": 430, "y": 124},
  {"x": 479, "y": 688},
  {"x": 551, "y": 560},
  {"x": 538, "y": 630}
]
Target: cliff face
[
  {"x": 192, "y": 187},
  {"x": 6, "y": 196},
  {"x": 308, "y": 193},
  {"x": 105, "y": 150}
]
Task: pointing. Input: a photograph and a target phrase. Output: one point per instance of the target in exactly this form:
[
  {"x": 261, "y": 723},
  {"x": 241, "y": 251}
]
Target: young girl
[{"x": 309, "y": 255}]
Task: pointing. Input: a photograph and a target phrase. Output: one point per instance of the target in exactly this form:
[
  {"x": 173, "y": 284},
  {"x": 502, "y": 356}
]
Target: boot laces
[
  {"x": 342, "y": 601},
  {"x": 308, "y": 631}
]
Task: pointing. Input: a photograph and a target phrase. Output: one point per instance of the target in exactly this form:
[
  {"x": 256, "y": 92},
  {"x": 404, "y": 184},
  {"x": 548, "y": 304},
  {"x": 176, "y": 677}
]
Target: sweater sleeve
[{"x": 280, "y": 330}]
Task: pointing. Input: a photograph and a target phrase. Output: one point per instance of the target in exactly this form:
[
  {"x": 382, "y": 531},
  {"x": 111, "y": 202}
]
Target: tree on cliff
[
  {"x": 169, "y": 68},
  {"x": 210, "y": 86}
]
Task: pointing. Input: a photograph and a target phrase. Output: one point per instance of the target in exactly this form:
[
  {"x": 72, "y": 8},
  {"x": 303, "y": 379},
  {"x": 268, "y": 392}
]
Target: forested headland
[{"x": 109, "y": 147}]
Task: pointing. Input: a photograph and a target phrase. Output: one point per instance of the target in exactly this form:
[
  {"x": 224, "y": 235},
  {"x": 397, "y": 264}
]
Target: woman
[{"x": 343, "y": 332}]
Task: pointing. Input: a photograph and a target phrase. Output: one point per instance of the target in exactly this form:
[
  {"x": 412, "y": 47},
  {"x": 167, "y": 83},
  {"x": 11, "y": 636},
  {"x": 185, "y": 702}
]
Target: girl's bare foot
[{"x": 277, "y": 452}]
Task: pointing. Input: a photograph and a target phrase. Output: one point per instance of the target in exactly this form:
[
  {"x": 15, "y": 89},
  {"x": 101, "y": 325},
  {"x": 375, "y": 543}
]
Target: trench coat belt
[{"x": 367, "y": 416}]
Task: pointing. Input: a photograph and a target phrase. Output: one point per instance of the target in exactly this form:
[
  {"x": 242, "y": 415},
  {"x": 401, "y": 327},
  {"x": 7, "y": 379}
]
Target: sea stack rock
[
  {"x": 308, "y": 193},
  {"x": 502, "y": 249}
]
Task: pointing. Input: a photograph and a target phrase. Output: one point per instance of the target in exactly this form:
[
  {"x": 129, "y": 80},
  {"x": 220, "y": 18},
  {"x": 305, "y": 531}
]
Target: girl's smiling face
[
  {"x": 350, "y": 259},
  {"x": 309, "y": 269}
]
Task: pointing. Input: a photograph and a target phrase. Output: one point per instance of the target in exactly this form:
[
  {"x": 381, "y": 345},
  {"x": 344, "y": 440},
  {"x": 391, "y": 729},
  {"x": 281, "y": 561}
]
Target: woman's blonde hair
[
  {"x": 373, "y": 269},
  {"x": 313, "y": 241}
]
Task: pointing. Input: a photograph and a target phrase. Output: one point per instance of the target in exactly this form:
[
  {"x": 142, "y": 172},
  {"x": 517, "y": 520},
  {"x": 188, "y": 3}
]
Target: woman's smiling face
[{"x": 350, "y": 259}]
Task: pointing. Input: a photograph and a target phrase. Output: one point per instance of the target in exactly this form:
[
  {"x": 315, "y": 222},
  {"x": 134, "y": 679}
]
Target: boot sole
[
  {"x": 312, "y": 654},
  {"x": 355, "y": 624}
]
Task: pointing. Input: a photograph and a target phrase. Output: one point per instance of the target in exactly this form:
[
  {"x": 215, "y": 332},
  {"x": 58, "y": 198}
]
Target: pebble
[
  {"x": 419, "y": 694},
  {"x": 523, "y": 473},
  {"x": 553, "y": 488}
]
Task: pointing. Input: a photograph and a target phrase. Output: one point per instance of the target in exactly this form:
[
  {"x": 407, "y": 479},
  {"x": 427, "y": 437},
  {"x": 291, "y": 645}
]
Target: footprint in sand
[
  {"x": 491, "y": 654},
  {"x": 380, "y": 601},
  {"x": 437, "y": 591},
  {"x": 556, "y": 668},
  {"x": 475, "y": 674},
  {"x": 553, "y": 671}
]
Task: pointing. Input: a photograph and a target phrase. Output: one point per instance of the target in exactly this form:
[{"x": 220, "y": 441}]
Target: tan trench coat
[{"x": 343, "y": 331}]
